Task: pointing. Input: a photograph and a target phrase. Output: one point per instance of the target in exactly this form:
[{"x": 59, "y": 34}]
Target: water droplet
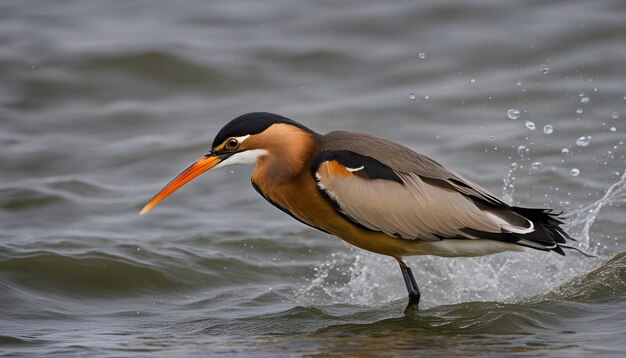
[
  {"x": 491, "y": 137},
  {"x": 426, "y": 97},
  {"x": 519, "y": 83},
  {"x": 421, "y": 55},
  {"x": 583, "y": 141},
  {"x": 612, "y": 129},
  {"x": 530, "y": 125},
  {"x": 584, "y": 100},
  {"x": 545, "y": 70},
  {"x": 522, "y": 149},
  {"x": 473, "y": 80},
  {"x": 513, "y": 113},
  {"x": 411, "y": 95},
  {"x": 536, "y": 165},
  {"x": 579, "y": 111},
  {"x": 548, "y": 129},
  {"x": 615, "y": 115},
  {"x": 565, "y": 150},
  {"x": 574, "y": 172}
]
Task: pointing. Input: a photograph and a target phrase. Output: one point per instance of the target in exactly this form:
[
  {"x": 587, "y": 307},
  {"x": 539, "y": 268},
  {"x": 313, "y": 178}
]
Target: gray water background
[{"x": 103, "y": 102}]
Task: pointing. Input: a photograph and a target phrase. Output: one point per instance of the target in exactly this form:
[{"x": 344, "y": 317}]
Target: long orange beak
[{"x": 202, "y": 165}]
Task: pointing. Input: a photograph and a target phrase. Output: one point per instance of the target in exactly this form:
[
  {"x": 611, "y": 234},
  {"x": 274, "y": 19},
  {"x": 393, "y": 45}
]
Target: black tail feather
[
  {"x": 548, "y": 235},
  {"x": 577, "y": 249},
  {"x": 548, "y": 231}
]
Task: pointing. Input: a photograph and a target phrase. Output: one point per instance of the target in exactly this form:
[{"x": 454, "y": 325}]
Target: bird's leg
[{"x": 411, "y": 285}]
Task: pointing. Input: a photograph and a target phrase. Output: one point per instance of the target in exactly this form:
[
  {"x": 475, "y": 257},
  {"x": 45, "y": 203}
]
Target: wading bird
[{"x": 373, "y": 193}]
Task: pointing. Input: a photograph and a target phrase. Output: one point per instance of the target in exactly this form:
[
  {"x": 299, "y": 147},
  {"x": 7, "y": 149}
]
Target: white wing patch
[
  {"x": 508, "y": 226},
  {"x": 352, "y": 170}
]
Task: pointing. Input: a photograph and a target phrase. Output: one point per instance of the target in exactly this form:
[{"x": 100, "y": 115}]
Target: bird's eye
[{"x": 232, "y": 143}]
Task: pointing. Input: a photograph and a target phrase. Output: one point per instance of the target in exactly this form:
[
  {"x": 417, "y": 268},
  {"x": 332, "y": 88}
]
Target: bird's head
[{"x": 248, "y": 139}]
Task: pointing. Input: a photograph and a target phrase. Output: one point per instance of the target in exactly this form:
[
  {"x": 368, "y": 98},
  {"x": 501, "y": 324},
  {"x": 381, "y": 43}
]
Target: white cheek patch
[{"x": 248, "y": 157}]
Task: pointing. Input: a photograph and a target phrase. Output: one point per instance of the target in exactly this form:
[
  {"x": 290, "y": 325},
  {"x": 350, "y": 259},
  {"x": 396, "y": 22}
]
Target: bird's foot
[{"x": 414, "y": 300}]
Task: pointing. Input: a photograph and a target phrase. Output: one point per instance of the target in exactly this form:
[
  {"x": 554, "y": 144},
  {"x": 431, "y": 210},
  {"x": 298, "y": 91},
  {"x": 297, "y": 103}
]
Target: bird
[{"x": 373, "y": 193}]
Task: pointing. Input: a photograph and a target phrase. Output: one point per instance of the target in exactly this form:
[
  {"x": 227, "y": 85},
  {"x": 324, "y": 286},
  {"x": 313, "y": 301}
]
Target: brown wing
[
  {"x": 386, "y": 187},
  {"x": 411, "y": 210},
  {"x": 403, "y": 160}
]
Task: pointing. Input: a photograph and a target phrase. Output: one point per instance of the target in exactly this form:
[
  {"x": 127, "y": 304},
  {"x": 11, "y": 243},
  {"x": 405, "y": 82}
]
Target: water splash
[
  {"x": 350, "y": 277},
  {"x": 509, "y": 184},
  {"x": 548, "y": 129},
  {"x": 583, "y": 141},
  {"x": 530, "y": 125},
  {"x": 522, "y": 150},
  {"x": 587, "y": 215},
  {"x": 513, "y": 113}
]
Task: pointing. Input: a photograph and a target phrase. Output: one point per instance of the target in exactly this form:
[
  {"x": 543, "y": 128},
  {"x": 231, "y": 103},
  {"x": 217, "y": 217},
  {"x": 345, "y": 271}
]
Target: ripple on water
[
  {"x": 151, "y": 64},
  {"x": 39, "y": 192},
  {"x": 86, "y": 275}
]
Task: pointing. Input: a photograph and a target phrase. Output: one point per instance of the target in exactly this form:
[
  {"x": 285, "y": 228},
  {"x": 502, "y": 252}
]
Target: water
[
  {"x": 536, "y": 165},
  {"x": 513, "y": 113},
  {"x": 583, "y": 141},
  {"x": 548, "y": 129},
  {"x": 101, "y": 103}
]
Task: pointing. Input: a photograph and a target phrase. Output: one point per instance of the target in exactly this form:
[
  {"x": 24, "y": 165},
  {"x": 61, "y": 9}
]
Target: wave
[
  {"x": 604, "y": 284},
  {"x": 551, "y": 312},
  {"x": 85, "y": 275},
  {"x": 6, "y": 340},
  {"x": 167, "y": 68},
  {"x": 50, "y": 190}
]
